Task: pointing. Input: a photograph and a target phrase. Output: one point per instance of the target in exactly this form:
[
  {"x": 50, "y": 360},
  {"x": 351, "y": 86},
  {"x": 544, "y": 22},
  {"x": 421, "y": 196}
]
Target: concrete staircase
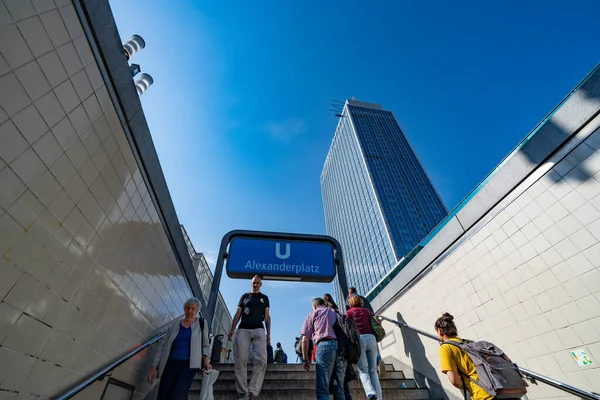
[{"x": 291, "y": 382}]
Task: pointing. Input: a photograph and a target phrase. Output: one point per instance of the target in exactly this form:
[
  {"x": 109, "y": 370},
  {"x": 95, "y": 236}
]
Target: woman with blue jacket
[{"x": 181, "y": 353}]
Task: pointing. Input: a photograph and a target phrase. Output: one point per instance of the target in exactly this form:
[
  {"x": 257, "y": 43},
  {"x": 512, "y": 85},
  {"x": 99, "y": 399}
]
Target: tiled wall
[
  {"x": 528, "y": 280},
  {"x": 86, "y": 270}
]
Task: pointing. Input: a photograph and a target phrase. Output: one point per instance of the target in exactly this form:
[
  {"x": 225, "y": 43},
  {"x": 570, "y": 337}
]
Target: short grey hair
[
  {"x": 192, "y": 301},
  {"x": 318, "y": 301}
]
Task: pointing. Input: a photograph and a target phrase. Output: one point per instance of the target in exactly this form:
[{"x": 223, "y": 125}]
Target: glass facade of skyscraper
[{"x": 378, "y": 200}]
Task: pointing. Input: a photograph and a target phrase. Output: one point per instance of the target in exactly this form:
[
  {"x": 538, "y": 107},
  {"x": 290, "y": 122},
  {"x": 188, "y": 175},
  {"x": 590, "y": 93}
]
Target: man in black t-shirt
[{"x": 253, "y": 308}]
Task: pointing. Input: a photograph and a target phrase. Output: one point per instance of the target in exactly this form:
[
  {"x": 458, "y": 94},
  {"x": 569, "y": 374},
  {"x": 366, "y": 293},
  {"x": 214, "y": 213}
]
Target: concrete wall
[
  {"x": 222, "y": 320},
  {"x": 88, "y": 268},
  {"x": 520, "y": 264}
]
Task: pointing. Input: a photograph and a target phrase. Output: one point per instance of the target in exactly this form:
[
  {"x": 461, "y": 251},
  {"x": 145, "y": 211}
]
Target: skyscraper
[{"x": 378, "y": 200}]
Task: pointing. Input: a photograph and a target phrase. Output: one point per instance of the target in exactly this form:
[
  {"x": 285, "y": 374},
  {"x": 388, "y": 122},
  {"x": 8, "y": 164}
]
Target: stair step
[
  {"x": 280, "y": 367},
  {"x": 309, "y": 394},
  {"x": 295, "y": 375},
  {"x": 291, "y": 382},
  {"x": 269, "y": 384}
]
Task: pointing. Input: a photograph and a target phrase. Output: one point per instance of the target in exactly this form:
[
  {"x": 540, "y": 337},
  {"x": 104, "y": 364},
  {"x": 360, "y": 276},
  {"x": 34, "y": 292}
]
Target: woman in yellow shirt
[{"x": 455, "y": 363}]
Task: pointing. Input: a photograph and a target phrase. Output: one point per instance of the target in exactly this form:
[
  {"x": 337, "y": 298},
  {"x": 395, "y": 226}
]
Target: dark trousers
[
  {"x": 347, "y": 391},
  {"x": 175, "y": 380}
]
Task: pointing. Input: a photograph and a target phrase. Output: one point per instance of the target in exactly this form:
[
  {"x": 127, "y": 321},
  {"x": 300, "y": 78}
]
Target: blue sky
[{"x": 239, "y": 111}]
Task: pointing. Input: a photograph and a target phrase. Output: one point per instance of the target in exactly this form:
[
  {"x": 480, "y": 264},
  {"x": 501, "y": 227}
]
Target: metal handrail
[
  {"x": 533, "y": 377},
  {"x": 102, "y": 373}
]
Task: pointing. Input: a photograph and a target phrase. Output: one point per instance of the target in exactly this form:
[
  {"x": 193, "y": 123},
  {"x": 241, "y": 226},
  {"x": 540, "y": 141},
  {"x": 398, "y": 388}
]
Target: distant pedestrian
[
  {"x": 367, "y": 364},
  {"x": 279, "y": 356},
  {"x": 180, "y": 354},
  {"x": 352, "y": 292},
  {"x": 253, "y": 308},
  {"x": 329, "y": 302},
  {"x": 318, "y": 326}
]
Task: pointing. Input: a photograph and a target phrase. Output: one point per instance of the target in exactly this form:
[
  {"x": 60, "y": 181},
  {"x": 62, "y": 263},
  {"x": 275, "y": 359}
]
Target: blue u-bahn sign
[
  {"x": 281, "y": 259},
  {"x": 277, "y": 256}
]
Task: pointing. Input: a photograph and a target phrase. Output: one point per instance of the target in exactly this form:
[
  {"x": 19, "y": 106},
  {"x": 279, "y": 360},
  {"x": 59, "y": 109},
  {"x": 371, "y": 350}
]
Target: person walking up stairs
[{"x": 279, "y": 354}]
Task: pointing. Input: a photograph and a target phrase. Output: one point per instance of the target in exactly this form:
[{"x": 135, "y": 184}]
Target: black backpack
[
  {"x": 298, "y": 347},
  {"x": 348, "y": 338}
]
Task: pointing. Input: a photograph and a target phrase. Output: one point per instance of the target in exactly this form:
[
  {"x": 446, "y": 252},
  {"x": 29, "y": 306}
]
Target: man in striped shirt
[{"x": 318, "y": 326}]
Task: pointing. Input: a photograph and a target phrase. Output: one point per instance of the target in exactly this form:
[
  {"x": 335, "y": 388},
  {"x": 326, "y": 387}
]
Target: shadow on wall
[
  {"x": 582, "y": 106},
  {"x": 424, "y": 373}
]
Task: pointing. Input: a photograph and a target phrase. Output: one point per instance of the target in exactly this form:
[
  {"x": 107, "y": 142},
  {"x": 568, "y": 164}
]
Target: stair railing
[
  {"x": 531, "y": 376},
  {"x": 101, "y": 374}
]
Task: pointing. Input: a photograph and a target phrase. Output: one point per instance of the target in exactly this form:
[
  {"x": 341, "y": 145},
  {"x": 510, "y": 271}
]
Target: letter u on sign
[{"x": 278, "y": 251}]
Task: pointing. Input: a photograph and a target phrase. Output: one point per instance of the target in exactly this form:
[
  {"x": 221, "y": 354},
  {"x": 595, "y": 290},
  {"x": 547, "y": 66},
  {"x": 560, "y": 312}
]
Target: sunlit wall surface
[
  {"x": 526, "y": 275},
  {"x": 86, "y": 269},
  {"x": 378, "y": 200}
]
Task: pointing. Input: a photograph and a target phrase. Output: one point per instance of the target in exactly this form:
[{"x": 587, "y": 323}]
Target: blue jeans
[
  {"x": 367, "y": 366},
  {"x": 330, "y": 366}
]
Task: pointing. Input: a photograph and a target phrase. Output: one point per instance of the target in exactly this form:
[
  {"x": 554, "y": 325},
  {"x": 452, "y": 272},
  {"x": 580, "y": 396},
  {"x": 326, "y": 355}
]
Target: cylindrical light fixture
[
  {"x": 142, "y": 84},
  {"x": 133, "y": 45}
]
